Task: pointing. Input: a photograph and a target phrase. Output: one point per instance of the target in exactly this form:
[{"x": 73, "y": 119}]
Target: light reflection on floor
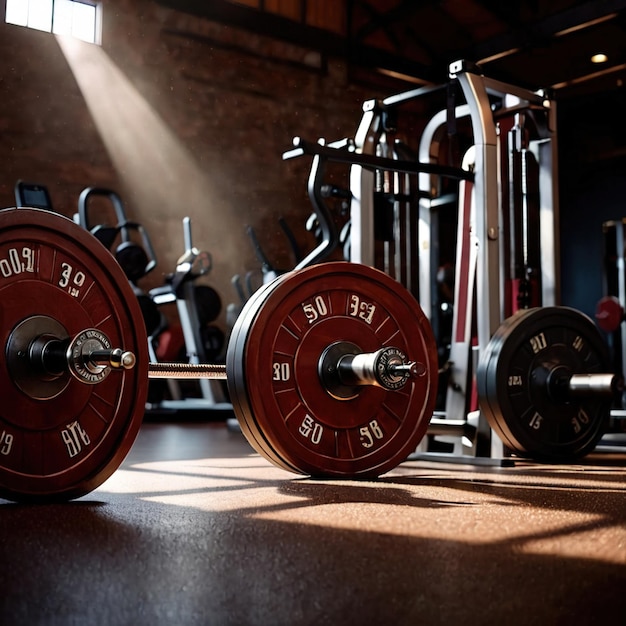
[{"x": 415, "y": 500}]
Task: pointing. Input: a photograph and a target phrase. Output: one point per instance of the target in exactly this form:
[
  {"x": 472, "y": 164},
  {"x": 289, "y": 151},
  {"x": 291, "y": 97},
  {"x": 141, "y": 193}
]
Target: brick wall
[{"x": 180, "y": 116}]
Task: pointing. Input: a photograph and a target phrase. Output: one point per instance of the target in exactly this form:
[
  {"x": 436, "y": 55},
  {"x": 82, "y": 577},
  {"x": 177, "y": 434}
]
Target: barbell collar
[
  {"x": 53, "y": 357},
  {"x": 90, "y": 357},
  {"x": 563, "y": 386},
  {"x": 581, "y": 385},
  {"x": 386, "y": 368}
]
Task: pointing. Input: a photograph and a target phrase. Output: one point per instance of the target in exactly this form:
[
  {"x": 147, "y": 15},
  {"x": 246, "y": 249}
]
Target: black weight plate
[
  {"x": 208, "y": 304},
  {"x": 133, "y": 259},
  {"x": 513, "y": 393},
  {"x": 213, "y": 339}
]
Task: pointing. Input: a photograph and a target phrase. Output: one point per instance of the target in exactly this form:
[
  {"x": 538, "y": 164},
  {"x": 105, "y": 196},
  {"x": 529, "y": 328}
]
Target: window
[{"x": 78, "y": 18}]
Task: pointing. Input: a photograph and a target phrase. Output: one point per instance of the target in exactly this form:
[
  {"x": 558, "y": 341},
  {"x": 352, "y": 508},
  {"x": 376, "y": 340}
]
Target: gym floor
[{"x": 196, "y": 528}]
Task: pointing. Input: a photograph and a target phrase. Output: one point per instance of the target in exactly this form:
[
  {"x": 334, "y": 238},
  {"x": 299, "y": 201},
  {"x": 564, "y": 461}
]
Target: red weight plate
[
  {"x": 273, "y": 361},
  {"x": 237, "y": 382},
  {"x": 609, "y": 314},
  {"x": 65, "y": 445}
]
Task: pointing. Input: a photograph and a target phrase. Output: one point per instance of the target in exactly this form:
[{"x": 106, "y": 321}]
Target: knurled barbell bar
[{"x": 331, "y": 370}]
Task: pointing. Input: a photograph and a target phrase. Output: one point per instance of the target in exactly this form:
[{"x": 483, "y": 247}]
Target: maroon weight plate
[
  {"x": 61, "y": 438},
  {"x": 237, "y": 382},
  {"x": 609, "y": 314},
  {"x": 273, "y": 361}
]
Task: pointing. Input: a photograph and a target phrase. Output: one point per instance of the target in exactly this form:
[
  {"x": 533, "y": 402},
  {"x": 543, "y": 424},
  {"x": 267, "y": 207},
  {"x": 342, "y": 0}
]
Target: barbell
[{"x": 331, "y": 370}]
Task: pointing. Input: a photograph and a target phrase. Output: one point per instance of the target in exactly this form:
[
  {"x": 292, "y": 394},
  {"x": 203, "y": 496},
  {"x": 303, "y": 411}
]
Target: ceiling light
[{"x": 599, "y": 58}]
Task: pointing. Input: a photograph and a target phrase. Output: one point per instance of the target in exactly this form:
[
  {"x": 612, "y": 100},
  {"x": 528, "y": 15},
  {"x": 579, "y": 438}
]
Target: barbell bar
[{"x": 88, "y": 358}]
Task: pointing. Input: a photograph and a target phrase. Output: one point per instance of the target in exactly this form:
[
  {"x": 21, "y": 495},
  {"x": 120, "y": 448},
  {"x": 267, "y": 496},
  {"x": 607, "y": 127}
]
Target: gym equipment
[
  {"x": 32, "y": 195},
  {"x": 505, "y": 137},
  {"x": 127, "y": 241},
  {"x": 196, "y": 306},
  {"x": 523, "y": 279},
  {"x": 268, "y": 270},
  {"x": 610, "y": 309},
  {"x": 213, "y": 340},
  {"x": 474, "y": 191},
  {"x": 321, "y": 222},
  {"x": 544, "y": 386},
  {"x": 134, "y": 251},
  {"x": 208, "y": 302},
  {"x": 312, "y": 224},
  {"x": 331, "y": 369},
  {"x": 609, "y": 314}
]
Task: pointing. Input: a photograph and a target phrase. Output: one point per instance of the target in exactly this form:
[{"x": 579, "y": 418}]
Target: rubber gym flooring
[{"x": 195, "y": 528}]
